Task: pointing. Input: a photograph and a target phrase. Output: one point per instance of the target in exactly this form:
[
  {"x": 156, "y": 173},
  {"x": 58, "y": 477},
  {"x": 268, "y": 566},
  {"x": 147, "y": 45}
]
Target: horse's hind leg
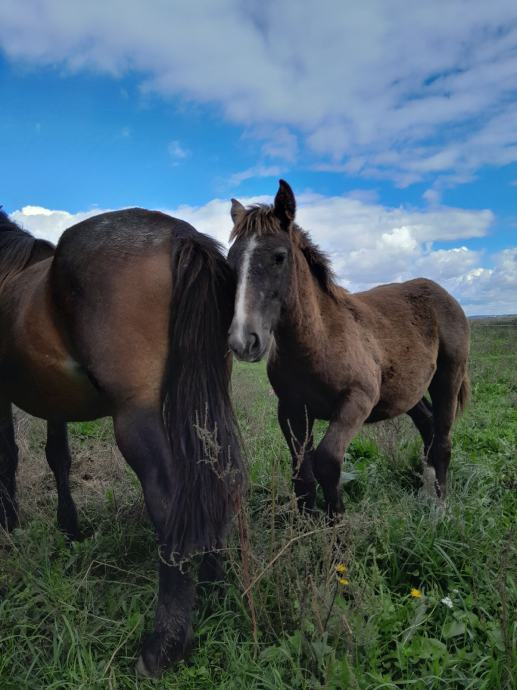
[
  {"x": 8, "y": 465},
  {"x": 444, "y": 390},
  {"x": 142, "y": 439},
  {"x": 59, "y": 459},
  {"x": 422, "y": 417}
]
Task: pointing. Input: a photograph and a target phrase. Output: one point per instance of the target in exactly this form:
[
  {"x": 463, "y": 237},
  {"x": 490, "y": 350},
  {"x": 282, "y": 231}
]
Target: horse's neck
[{"x": 303, "y": 323}]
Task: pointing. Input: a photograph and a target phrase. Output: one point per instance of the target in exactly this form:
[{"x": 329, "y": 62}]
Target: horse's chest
[{"x": 305, "y": 389}]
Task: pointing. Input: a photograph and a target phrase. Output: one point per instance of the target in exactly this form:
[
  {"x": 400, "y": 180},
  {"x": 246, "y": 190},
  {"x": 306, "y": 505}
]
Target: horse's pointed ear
[
  {"x": 285, "y": 204},
  {"x": 237, "y": 211}
]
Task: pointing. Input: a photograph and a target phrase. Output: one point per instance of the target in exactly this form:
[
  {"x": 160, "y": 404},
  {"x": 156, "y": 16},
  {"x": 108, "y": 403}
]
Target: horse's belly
[
  {"x": 55, "y": 390},
  {"x": 402, "y": 390}
]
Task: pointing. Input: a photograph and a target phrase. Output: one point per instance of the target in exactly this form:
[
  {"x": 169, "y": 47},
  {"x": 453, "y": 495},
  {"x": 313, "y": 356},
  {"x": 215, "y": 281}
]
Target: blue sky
[{"x": 397, "y": 129}]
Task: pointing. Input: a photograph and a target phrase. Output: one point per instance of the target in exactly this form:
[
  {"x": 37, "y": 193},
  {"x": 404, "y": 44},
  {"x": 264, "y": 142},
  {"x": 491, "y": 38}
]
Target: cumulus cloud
[
  {"x": 46, "y": 224},
  {"x": 401, "y": 90},
  {"x": 490, "y": 290},
  {"x": 367, "y": 242}
]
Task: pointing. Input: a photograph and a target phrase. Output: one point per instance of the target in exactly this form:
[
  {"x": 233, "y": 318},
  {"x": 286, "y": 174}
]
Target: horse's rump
[{"x": 146, "y": 302}]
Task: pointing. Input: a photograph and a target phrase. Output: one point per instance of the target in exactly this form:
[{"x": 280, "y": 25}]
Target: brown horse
[
  {"x": 128, "y": 317},
  {"x": 346, "y": 358}
]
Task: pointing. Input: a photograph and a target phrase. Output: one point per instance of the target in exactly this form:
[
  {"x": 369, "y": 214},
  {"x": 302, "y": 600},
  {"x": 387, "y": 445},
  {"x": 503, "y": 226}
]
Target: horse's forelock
[{"x": 258, "y": 220}]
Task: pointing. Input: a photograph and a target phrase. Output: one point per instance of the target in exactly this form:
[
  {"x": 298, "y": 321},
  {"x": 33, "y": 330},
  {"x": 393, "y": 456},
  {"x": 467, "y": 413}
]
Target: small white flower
[{"x": 448, "y": 602}]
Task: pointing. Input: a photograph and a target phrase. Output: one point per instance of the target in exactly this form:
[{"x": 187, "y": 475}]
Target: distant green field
[{"x": 72, "y": 616}]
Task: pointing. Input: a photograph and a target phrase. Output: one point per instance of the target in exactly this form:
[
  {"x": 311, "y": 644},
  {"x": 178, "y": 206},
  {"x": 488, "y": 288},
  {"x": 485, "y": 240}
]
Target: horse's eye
[{"x": 280, "y": 257}]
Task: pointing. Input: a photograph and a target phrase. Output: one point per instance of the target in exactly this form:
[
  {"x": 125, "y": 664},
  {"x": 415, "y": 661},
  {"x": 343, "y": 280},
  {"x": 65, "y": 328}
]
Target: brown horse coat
[
  {"x": 342, "y": 357},
  {"x": 128, "y": 317}
]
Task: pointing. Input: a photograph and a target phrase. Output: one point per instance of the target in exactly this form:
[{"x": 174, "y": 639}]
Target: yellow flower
[
  {"x": 341, "y": 568},
  {"x": 415, "y": 593},
  {"x": 343, "y": 581}
]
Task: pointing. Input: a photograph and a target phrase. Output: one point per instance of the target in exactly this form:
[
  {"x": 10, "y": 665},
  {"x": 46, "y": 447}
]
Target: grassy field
[{"x": 71, "y": 616}]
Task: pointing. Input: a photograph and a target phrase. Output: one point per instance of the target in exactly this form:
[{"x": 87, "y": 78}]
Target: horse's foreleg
[
  {"x": 8, "y": 465},
  {"x": 328, "y": 457},
  {"x": 142, "y": 439},
  {"x": 59, "y": 459},
  {"x": 296, "y": 425}
]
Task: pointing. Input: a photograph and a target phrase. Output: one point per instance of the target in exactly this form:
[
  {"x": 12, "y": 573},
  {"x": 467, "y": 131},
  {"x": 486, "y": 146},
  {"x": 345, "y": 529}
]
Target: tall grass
[{"x": 306, "y": 604}]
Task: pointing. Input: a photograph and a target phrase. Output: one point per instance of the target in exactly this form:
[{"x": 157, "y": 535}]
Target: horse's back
[
  {"x": 415, "y": 325},
  {"x": 419, "y": 305}
]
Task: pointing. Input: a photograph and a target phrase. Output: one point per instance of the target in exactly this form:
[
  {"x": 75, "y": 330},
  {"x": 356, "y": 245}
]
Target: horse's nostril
[
  {"x": 233, "y": 342},
  {"x": 254, "y": 341}
]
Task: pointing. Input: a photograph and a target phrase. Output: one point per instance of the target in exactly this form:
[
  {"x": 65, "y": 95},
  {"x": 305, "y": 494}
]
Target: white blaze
[{"x": 240, "y": 302}]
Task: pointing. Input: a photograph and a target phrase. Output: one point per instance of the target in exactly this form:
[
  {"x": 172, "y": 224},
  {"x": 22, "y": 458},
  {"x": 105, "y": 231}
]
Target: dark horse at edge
[
  {"x": 128, "y": 317},
  {"x": 342, "y": 357}
]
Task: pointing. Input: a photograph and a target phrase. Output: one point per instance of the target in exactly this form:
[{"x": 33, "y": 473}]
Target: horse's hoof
[
  {"x": 143, "y": 671},
  {"x": 429, "y": 481},
  {"x": 8, "y": 518},
  {"x": 74, "y": 535}
]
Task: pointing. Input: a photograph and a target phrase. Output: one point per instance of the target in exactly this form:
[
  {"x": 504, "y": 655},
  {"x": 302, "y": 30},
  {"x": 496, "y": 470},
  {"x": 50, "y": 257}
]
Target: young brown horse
[
  {"x": 346, "y": 358},
  {"x": 128, "y": 317}
]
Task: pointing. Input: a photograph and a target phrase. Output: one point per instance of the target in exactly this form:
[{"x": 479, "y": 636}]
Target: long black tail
[{"x": 205, "y": 442}]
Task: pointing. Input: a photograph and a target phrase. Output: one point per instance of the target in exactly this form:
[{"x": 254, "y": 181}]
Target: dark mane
[
  {"x": 18, "y": 248},
  {"x": 260, "y": 220}
]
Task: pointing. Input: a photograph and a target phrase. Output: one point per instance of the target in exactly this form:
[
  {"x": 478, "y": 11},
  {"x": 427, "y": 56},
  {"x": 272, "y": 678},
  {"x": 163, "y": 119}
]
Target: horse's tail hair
[
  {"x": 463, "y": 395},
  {"x": 198, "y": 414}
]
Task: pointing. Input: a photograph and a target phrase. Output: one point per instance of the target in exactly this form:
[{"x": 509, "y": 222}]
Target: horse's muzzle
[{"x": 246, "y": 345}]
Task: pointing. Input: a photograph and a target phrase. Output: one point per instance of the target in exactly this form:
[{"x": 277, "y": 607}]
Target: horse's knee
[{"x": 327, "y": 468}]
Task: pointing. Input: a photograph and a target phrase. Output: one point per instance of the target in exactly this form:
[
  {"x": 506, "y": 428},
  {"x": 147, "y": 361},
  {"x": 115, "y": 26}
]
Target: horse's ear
[
  {"x": 285, "y": 204},
  {"x": 237, "y": 211}
]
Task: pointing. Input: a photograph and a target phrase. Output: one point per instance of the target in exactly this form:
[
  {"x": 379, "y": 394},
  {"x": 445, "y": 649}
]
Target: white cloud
[
  {"x": 490, "y": 290},
  {"x": 46, "y": 224},
  {"x": 404, "y": 90},
  {"x": 253, "y": 172},
  {"x": 367, "y": 242},
  {"x": 177, "y": 152},
  {"x": 280, "y": 143}
]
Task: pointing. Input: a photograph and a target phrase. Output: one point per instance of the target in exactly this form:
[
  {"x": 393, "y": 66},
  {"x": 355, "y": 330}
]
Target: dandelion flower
[
  {"x": 415, "y": 593},
  {"x": 341, "y": 568},
  {"x": 448, "y": 602},
  {"x": 343, "y": 581}
]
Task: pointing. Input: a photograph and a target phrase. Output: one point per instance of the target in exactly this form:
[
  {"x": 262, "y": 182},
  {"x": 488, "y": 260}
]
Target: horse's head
[{"x": 261, "y": 256}]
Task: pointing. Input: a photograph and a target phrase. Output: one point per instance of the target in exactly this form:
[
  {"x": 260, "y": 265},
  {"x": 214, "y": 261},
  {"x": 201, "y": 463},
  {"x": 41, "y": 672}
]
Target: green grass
[{"x": 71, "y": 616}]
